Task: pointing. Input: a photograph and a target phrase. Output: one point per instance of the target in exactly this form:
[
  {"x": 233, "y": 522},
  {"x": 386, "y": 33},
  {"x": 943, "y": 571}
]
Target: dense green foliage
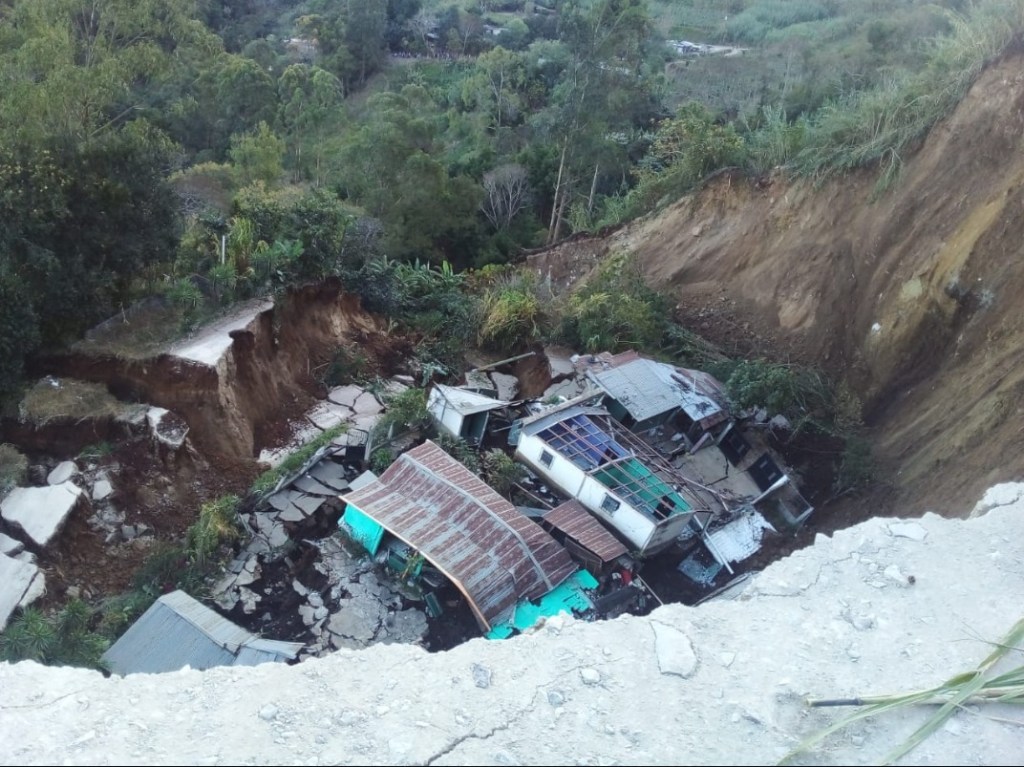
[{"x": 214, "y": 151}]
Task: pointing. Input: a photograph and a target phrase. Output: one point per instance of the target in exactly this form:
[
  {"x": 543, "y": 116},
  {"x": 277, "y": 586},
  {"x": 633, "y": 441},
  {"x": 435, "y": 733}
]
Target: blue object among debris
[
  {"x": 569, "y": 597},
  {"x": 363, "y": 529}
]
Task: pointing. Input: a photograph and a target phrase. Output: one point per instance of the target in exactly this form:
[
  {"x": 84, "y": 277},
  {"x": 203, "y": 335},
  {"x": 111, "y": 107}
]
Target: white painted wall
[
  {"x": 445, "y": 415},
  {"x": 634, "y": 525}
]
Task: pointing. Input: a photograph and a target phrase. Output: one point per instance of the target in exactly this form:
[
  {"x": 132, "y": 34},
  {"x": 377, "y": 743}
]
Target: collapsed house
[
  {"x": 177, "y": 631},
  {"x": 462, "y": 413},
  {"x": 643, "y": 394},
  {"x": 578, "y": 449},
  {"x": 510, "y": 571}
]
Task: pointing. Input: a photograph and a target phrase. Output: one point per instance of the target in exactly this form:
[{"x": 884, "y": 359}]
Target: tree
[
  {"x": 495, "y": 86},
  {"x": 311, "y": 100},
  {"x": 600, "y": 97},
  {"x": 395, "y": 170},
  {"x": 365, "y": 25},
  {"x": 506, "y": 194},
  {"x": 257, "y": 156}
]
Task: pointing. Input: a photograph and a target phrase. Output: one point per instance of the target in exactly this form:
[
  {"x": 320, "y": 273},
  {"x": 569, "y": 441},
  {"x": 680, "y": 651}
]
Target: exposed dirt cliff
[{"x": 913, "y": 296}]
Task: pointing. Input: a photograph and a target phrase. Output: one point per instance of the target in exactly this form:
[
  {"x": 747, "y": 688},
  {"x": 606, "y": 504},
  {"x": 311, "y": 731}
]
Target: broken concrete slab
[
  {"x": 283, "y": 499},
  {"x": 308, "y": 504},
  {"x": 327, "y": 415},
  {"x": 41, "y": 511},
  {"x": 18, "y": 586},
  {"x": 102, "y": 489},
  {"x": 292, "y": 514},
  {"x": 9, "y": 545},
  {"x": 357, "y": 619},
  {"x": 330, "y": 473},
  {"x": 367, "y": 404},
  {"x": 310, "y": 486},
  {"x": 62, "y": 472},
  {"x": 560, "y": 361},
  {"x": 270, "y": 528},
  {"x": 674, "y": 651},
  {"x": 406, "y": 626},
  {"x": 362, "y": 481},
  {"x": 345, "y": 396},
  {"x": 507, "y": 386}
]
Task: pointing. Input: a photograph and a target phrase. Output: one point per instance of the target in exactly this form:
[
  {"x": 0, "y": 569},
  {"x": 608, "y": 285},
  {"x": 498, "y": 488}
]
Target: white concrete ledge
[{"x": 882, "y": 607}]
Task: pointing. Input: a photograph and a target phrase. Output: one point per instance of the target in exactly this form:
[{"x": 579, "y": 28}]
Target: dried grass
[{"x": 67, "y": 399}]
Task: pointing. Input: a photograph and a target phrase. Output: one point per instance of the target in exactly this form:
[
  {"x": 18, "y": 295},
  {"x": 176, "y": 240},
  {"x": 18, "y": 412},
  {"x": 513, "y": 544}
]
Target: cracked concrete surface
[{"x": 878, "y": 608}]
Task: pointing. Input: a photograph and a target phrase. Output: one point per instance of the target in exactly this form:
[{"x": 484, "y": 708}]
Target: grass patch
[
  {"x": 269, "y": 479},
  {"x": 13, "y": 468},
  {"x": 137, "y": 334},
  {"x": 67, "y": 399}
]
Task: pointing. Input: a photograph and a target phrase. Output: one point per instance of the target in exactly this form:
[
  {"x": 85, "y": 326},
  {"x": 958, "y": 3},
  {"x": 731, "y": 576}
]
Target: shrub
[
  {"x": 380, "y": 460},
  {"x": 217, "y": 524},
  {"x": 269, "y": 479},
  {"x": 501, "y": 471},
  {"x": 460, "y": 450},
  {"x": 512, "y": 319},
  {"x": 64, "y": 639}
]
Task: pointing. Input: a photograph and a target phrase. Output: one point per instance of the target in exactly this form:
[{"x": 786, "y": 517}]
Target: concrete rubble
[
  {"x": 41, "y": 512},
  {"x": 21, "y": 583},
  {"x": 356, "y": 406},
  {"x": 722, "y": 683}
]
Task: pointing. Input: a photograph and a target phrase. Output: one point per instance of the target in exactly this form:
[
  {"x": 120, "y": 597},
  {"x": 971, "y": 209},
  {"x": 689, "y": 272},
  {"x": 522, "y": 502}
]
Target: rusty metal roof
[
  {"x": 574, "y": 520},
  {"x": 490, "y": 551}
]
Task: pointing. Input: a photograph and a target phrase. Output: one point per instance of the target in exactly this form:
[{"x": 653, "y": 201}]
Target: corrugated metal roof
[
  {"x": 573, "y": 519},
  {"x": 647, "y": 388},
  {"x": 467, "y": 402},
  {"x": 494, "y": 554},
  {"x": 177, "y": 631}
]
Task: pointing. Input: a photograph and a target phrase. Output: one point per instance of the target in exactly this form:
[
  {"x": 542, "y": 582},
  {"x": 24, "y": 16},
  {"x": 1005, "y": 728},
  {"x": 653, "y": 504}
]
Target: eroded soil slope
[{"x": 914, "y": 297}]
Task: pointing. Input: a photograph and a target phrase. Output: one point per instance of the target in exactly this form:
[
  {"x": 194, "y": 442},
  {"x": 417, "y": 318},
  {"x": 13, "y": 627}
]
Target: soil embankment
[{"x": 911, "y": 296}]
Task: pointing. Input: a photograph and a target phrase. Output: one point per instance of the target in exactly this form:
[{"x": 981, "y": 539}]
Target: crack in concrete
[{"x": 817, "y": 578}]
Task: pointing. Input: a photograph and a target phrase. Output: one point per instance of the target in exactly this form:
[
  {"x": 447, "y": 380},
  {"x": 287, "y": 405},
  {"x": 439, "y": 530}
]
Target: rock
[
  {"x": 128, "y": 532},
  {"x": 306, "y": 614},
  {"x": 268, "y": 713},
  {"x": 20, "y": 584},
  {"x": 911, "y": 530},
  {"x": 357, "y": 620},
  {"x": 10, "y": 545},
  {"x": 40, "y": 511},
  {"x": 407, "y": 626},
  {"x": 590, "y": 676},
  {"x": 62, "y": 472},
  {"x": 102, "y": 489},
  {"x": 555, "y": 698},
  {"x": 674, "y": 650},
  {"x": 167, "y": 428},
  {"x": 315, "y": 599},
  {"x": 1003, "y": 494},
  {"x": 249, "y": 599},
  {"x": 780, "y": 422},
  {"x": 299, "y": 588},
  {"x": 481, "y": 676},
  {"x": 896, "y": 576}
]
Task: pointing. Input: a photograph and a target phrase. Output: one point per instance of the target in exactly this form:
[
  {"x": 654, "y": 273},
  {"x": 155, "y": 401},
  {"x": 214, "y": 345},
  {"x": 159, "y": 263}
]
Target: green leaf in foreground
[{"x": 968, "y": 687}]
